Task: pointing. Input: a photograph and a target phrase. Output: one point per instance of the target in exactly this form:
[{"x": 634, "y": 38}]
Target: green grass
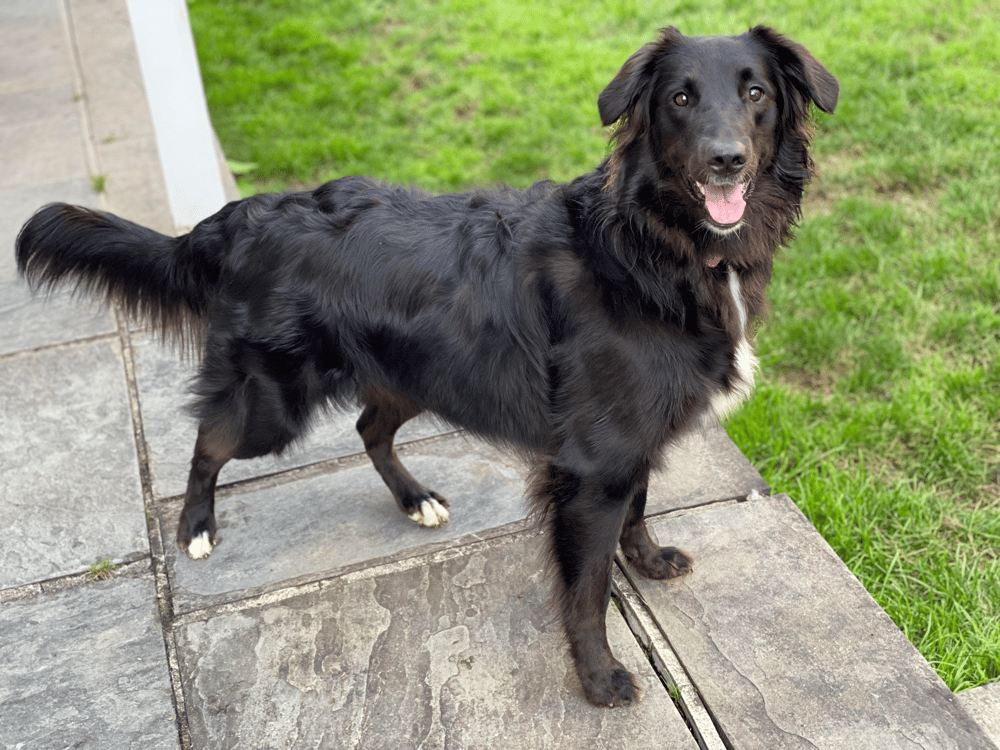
[{"x": 878, "y": 406}]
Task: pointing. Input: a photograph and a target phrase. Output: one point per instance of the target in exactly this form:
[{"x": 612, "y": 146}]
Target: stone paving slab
[
  {"x": 35, "y": 55},
  {"x": 85, "y": 668},
  {"x": 32, "y": 322},
  {"x": 457, "y": 651},
  {"x": 344, "y": 517},
  {"x": 702, "y": 467},
  {"x": 785, "y": 646},
  {"x": 118, "y": 117},
  {"x": 983, "y": 704},
  {"x": 70, "y": 494},
  {"x": 44, "y": 147}
]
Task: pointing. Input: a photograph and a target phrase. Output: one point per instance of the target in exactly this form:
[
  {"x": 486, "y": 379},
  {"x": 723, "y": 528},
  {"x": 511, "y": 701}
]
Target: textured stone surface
[
  {"x": 702, "y": 467},
  {"x": 785, "y": 646},
  {"x": 455, "y": 653},
  {"x": 317, "y": 525},
  {"x": 85, "y": 668},
  {"x": 983, "y": 704},
  {"x": 30, "y": 322},
  {"x": 44, "y": 160},
  {"x": 70, "y": 494}
]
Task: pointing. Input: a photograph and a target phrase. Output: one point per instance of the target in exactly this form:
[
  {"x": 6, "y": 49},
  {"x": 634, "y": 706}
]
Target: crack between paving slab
[
  {"x": 708, "y": 505},
  {"x": 83, "y": 104},
  {"x": 134, "y": 565},
  {"x": 666, "y": 663},
  {"x": 647, "y": 630},
  {"x": 157, "y": 555},
  {"x": 311, "y": 470},
  {"x": 362, "y": 572},
  {"x": 110, "y": 336}
]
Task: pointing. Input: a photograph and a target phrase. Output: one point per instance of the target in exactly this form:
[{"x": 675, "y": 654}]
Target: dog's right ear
[{"x": 624, "y": 91}]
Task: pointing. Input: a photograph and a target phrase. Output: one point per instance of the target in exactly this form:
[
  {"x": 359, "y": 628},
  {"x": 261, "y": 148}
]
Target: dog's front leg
[{"x": 586, "y": 518}]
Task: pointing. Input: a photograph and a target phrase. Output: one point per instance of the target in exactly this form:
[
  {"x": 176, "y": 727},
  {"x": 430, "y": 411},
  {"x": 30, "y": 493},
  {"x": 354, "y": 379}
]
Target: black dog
[{"x": 585, "y": 324}]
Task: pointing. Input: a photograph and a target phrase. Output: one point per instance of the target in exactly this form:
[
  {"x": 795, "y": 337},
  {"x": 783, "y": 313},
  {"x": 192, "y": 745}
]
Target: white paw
[
  {"x": 431, "y": 513},
  {"x": 200, "y": 547}
]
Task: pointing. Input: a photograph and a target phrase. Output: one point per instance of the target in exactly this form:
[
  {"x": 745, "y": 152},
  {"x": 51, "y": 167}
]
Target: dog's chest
[{"x": 724, "y": 400}]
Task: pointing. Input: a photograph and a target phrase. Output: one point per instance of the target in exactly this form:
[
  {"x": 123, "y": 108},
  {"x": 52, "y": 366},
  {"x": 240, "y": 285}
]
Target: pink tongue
[{"x": 725, "y": 203}]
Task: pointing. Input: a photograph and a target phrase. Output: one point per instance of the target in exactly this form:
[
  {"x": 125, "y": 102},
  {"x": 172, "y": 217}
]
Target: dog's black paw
[
  {"x": 663, "y": 564},
  {"x": 611, "y": 688}
]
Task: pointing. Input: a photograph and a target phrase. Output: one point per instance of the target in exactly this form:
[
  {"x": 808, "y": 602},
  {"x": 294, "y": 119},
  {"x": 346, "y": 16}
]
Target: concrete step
[
  {"x": 455, "y": 649},
  {"x": 784, "y": 646},
  {"x": 983, "y": 705}
]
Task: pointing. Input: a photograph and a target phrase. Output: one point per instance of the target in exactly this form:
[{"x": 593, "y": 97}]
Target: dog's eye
[
  {"x": 756, "y": 93},
  {"x": 681, "y": 99}
]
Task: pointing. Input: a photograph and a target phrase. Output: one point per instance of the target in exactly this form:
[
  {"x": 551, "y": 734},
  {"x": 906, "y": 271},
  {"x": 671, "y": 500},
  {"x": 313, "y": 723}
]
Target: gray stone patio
[{"x": 325, "y": 619}]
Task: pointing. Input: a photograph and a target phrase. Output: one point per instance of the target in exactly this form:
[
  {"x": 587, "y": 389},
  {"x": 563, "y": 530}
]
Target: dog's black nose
[{"x": 727, "y": 157}]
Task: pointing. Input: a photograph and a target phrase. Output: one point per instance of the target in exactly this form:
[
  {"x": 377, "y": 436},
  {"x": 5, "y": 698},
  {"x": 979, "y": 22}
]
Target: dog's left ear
[
  {"x": 624, "y": 91},
  {"x": 805, "y": 71}
]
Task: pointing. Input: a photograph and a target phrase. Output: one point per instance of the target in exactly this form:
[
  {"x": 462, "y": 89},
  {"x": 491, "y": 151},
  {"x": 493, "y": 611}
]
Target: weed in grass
[{"x": 879, "y": 401}]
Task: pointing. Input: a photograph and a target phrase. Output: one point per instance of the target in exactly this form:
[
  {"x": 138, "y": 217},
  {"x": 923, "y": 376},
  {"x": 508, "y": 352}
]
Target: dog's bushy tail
[{"x": 158, "y": 280}]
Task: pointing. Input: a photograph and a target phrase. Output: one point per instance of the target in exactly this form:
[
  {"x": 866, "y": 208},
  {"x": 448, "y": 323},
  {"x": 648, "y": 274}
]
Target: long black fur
[{"x": 585, "y": 324}]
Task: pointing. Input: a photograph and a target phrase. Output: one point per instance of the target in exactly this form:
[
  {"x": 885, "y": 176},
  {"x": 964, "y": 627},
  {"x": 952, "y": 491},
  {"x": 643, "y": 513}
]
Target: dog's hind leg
[
  {"x": 645, "y": 555},
  {"x": 245, "y": 411},
  {"x": 384, "y": 413},
  {"x": 196, "y": 527}
]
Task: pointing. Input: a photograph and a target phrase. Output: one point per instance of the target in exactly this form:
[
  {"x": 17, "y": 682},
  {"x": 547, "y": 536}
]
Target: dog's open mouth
[{"x": 726, "y": 203}]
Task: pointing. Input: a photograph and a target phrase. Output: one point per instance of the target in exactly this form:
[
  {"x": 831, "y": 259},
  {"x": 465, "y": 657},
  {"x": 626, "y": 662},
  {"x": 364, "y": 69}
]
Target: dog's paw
[
  {"x": 200, "y": 547},
  {"x": 664, "y": 564},
  {"x": 197, "y": 545},
  {"x": 430, "y": 513},
  {"x": 612, "y": 688}
]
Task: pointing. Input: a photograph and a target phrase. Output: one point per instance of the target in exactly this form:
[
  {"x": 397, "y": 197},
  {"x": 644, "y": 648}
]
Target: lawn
[{"x": 878, "y": 405}]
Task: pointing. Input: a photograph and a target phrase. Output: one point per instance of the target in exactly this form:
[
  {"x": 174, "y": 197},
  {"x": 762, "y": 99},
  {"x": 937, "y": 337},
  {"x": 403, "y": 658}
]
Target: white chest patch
[{"x": 724, "y": 401}]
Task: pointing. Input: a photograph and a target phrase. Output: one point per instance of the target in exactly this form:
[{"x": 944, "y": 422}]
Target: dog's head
[{"x": 709, "y": 117}]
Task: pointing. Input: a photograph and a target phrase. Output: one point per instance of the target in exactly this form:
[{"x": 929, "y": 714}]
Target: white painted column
[{"x": 176, "y": 98}]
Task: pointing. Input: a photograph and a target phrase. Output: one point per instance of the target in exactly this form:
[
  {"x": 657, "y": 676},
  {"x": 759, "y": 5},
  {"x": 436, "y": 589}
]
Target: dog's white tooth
[{"x": 200, "y": 547}]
